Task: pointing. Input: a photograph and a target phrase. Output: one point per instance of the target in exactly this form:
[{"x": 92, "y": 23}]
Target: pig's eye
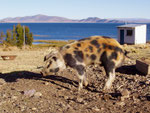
[
  {"x": 49, "y": 64},
  {"x": 54, "y": 58}
]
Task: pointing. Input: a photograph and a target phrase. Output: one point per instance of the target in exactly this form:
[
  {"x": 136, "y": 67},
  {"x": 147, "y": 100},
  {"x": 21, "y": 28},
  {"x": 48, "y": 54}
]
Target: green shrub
[{"x": 19, "y": 36}]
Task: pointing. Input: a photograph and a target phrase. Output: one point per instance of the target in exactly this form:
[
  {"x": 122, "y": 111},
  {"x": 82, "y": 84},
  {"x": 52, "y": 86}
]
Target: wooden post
[{"x": 24, "y": 36}]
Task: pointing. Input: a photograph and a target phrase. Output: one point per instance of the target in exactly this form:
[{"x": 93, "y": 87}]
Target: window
[{"x": 129, "y": 32}]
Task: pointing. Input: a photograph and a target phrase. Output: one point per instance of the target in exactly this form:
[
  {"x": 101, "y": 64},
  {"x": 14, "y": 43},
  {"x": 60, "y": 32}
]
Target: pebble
[
  {"x": 32, "y": 93},
  {"x": 46, "y": 83},
  {"x": 14, "y": 97},
  {"x": 29, "y": 93},
  {"x": 63, "y": 89},
  {"x": 125, "y": 93},
  {"x": 66, "y": 97},
  {"x": 96, "y": 109},
  {"x": 136, "y": 100},
  {"x": 85, "y": 103},
  {"x": 106, "y": 97},
  {"x": 37, "y": 94},
  {"x": 2, "y": 82},
  {"x": 147, "y": 82},
  {"x": 80, "y": 100},
  {"x": 12, "y": 88},
  {"x": 22, "y": 107},
  {"x": 71, "y": 110},
  {"x": 120, "y": 103},
  {"x": 34, "y": 109}
]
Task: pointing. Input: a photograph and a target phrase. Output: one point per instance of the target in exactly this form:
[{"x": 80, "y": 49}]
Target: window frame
[{"x": 129, "y": 32}]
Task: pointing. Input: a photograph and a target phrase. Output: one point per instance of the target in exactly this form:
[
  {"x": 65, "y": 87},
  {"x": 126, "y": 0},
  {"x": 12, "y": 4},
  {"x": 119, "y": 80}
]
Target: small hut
[{"x": 132, "y": 34}]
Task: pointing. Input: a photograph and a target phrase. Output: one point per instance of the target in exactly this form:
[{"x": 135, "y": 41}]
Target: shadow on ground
[
  {"x": 54, "y": 79},
  {"x": 13, "y": 76},
  {"x": 129, "y": 69}
]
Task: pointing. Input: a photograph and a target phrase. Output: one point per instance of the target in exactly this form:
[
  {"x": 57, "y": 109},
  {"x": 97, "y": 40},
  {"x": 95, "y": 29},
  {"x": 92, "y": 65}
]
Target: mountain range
[{"x": 56, "y": 19}]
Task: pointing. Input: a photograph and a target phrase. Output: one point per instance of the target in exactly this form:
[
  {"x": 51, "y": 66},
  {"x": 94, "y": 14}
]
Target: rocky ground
[{"x": 24, "y": 90}]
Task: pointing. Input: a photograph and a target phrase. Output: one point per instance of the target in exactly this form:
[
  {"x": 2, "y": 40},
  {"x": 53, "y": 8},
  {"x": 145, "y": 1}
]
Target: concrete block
[{"x": 143, "y": 66}]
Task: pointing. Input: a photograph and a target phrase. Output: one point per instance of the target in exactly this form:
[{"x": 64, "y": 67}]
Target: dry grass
[{"x": 50, "y": 43}]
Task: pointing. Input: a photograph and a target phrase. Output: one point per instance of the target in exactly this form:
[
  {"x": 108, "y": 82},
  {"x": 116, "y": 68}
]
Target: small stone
[
  {"x": 120, "y": 103},
  {"x": 29, "y": 93},
  {"x": 13, "y": 88},
  {"x": 85, "y": 103},
  {"x": 34, "y": 109},
  {"x": 70, "y": 110},
  {"x": 14, "y": 97},
  {"x": 147, "y": 82},
  {"x": 37, "y": 94},
  {"x": 96, "y": 109},
  {"x": 63, "y": 89},
  {"x": 136, "y": 100},
  {"x": 2, "y": 82},
  {"x": 80, "y": 100},
  {"x": 4, "y": 95},
  {"x": 66, "y": 97},
  {"x": 102, "y": 108},
  {"x": 106, "y": 97},
  {"x": 122, "y": 98},
  {"x": 22, "y": 107},
  {"x": 68, "y": 106},
  {"x": 125, "y": 93},
  {"x": 46, "y": 83}
]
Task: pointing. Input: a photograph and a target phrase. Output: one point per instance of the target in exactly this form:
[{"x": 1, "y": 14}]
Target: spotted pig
[{"x": 79, "y": 54}]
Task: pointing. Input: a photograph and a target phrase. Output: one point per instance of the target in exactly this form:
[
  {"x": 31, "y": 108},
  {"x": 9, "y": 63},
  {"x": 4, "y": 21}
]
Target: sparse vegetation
[
  {"x": 16, "y": 36},
  {"x": 51, "y": 43},
  {"x": 19, "y": 36},
  {"x": 23, "y": 89},
  {"x": 2, "y": 36}
]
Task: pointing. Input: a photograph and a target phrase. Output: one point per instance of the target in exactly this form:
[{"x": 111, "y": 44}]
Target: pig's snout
[{"x": 43, "y": 73}]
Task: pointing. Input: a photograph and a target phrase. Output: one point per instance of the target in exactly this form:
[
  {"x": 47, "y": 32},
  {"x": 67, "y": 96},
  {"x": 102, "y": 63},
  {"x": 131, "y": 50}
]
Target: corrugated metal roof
[{"x": 131, "y": 25}]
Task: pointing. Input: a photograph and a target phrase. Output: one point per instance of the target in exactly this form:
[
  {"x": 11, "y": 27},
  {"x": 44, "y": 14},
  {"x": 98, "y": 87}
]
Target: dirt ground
[{"x": 24, "y": 90}]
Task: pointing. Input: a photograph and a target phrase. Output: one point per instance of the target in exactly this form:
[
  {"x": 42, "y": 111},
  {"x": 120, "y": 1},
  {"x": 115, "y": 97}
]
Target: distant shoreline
[
  {"x": 40, "y": 18},
  {"x": 41, "y": 35},
  {"x": 54, "y": 43}
]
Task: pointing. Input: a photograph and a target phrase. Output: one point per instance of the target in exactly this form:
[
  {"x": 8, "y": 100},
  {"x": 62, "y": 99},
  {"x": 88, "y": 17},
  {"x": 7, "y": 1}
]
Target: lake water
[{"x": 69, "y": 31}]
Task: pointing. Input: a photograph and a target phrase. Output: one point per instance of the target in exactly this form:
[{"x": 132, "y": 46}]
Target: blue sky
[{"x": 76, "y": 9}]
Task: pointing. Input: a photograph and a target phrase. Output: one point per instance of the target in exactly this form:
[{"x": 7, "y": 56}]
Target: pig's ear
[
  {"x": 52, "y": 53},
  {"x": 46, "y": 57},
  {"x": 50, "y": 56}
]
